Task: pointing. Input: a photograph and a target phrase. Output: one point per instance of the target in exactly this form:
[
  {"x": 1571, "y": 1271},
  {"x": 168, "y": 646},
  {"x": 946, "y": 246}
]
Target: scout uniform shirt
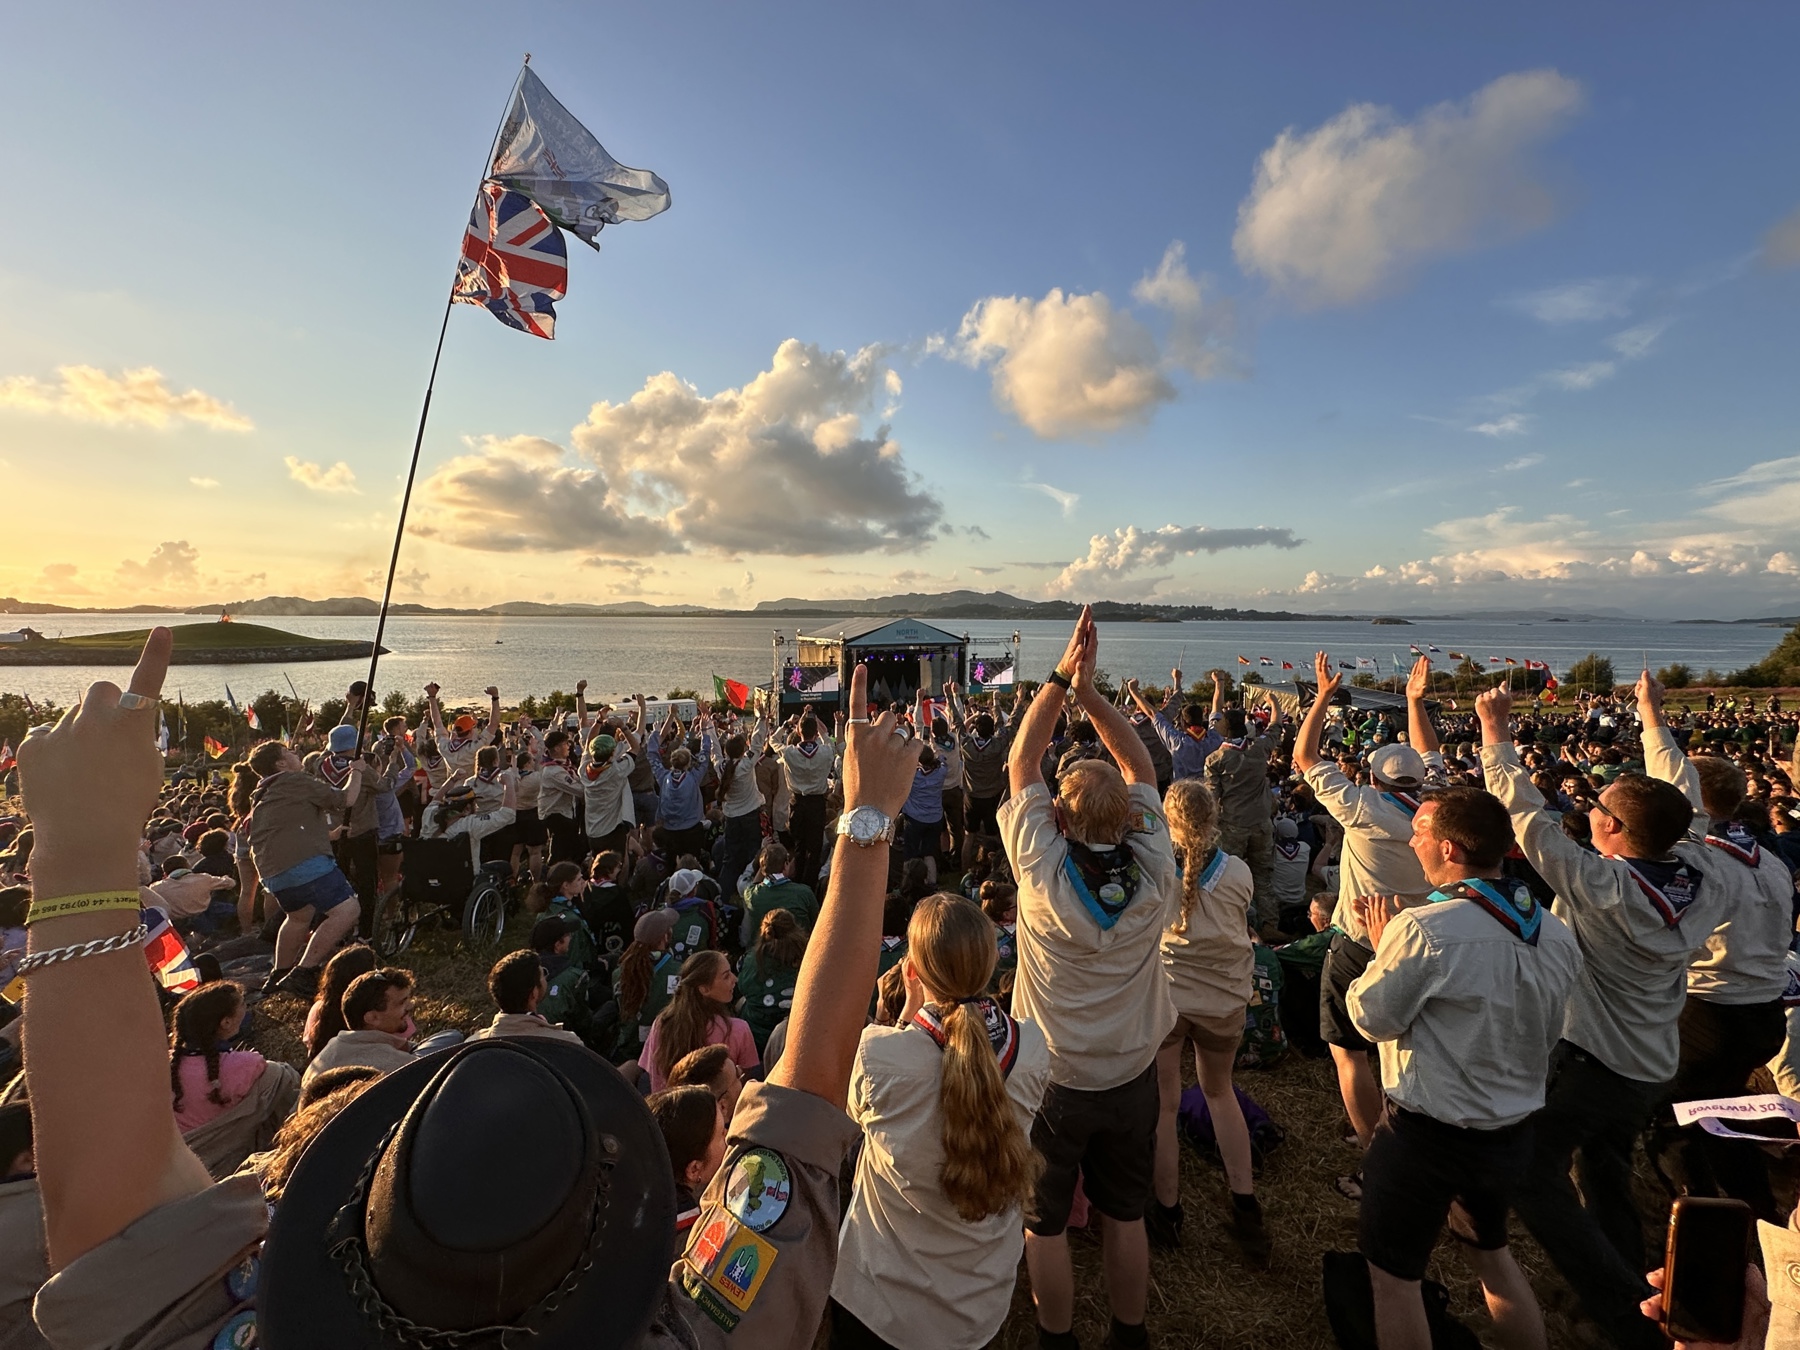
[
  {"x": 1377, "y": 857},
  {"x": 1638, "y": 928},
  {"x": 1097, "y": 991}
]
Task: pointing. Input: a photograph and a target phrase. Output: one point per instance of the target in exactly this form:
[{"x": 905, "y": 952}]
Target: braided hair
[{"x": 196, "y": 1033}]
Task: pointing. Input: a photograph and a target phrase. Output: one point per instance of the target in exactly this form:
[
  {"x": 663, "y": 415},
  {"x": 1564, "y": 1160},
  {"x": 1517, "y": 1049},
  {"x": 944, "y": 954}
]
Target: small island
[
  {"x": 1400, "y": 622},
  {"x": 196, "y": 644}
]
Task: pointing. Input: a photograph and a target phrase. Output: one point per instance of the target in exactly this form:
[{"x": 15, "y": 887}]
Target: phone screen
[{"x": 1703, "y": 1299}]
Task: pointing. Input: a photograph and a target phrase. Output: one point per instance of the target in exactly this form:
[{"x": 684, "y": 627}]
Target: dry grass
[{"x": 1202, "y": 1297}]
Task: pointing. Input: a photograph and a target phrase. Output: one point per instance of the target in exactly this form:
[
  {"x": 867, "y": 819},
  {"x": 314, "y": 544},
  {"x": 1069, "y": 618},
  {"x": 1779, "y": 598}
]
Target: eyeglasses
[{"x": 1601, "y": 807}]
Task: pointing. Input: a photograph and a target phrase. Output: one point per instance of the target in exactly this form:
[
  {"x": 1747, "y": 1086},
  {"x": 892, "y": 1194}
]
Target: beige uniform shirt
[
  {"x": 1238, "y": 774},
  {"x": 24, "y": 1263},
  {"x": 523, "y": 1024},
  {"x": 377, "y": 1049},
  {"x": 1627, "y": 1001},
  {"x": 1377, "y": 858},
  {"x": 1464, "y": 1012},
  {"x": 1210, "y": 964},
  {"x": 1099, "y": 995},
  {"x": 912, "y": 1269}
]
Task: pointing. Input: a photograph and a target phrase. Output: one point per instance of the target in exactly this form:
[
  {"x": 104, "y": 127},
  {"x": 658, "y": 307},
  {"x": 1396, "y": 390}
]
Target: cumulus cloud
[
  {"x": 1781, "y": 245},
  {"x": 1113, "y": 557},
  {"x": 1066, "y": 365},
  {"x": 60, "y": 579},
  {"x": 1345, "y": 211},
  {"x": 172, "y": 563},
  {"x": 340, "y": 477},
  {"x": 1578, "y": 301},
  {"x": 782, "y": 466},
  {"x": 133, "y": 398},
  {"x": 1201, "y": 332}
]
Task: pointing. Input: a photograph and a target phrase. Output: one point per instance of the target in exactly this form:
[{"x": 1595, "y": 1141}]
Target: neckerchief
[
  {"x": 1105, "y": 880},
  {"x": 457, "y": 743},
  {"x": 809, "y": 748},
  {"x": 1405, "y": 801},
  {"x": 1667, "y": 883},
  {"x": 1240, "y": 743},
  {"x": 1002, "y": 1030},
  {"x": 1214, "y": 869},
  {"x": 593, "y": 771},
  {"x": 981, "y": 742},
  {"x": 335, "y": 769},
  {"x": 1518, "y": 912},
  {"x": 1288, "y": 848},
  {"x": 1790, "y": 994},
  {"x": 1735, "y": 841},
  {"x": 490, "y": 776}
]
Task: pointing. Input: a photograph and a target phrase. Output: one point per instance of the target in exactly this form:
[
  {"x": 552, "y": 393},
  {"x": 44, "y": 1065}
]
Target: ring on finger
[{"x": 130, "y": 701}]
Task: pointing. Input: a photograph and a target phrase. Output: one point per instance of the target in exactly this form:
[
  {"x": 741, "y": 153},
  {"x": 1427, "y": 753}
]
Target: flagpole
[{"x": 412, "y": 470}]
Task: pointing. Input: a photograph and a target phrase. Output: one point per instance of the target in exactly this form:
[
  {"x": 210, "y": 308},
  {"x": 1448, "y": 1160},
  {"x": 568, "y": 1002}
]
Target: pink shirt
[
  {"x": 731, "y": 1032},
  {"x": 238, "y": 1072}
]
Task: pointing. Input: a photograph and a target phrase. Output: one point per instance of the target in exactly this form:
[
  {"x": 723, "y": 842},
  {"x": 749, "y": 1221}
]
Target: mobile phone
[{"x": 1703, "y": 1269}]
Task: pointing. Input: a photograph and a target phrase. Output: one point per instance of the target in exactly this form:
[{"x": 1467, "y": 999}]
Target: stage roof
[{"x": 886, "y": 633}]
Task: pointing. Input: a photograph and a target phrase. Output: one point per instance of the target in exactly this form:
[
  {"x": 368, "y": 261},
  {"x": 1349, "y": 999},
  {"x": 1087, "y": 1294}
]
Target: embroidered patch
[
  {"x": 725, "y": 1260},
  {"x": 758, "y": 1188},
  {"x": 238, "y": 1334},
  {"x": 708, "y": 1302},
  {"x": 240, "y": 1283}
]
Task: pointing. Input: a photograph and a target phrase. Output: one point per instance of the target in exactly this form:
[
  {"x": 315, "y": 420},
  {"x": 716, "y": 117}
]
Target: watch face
[{"x": 866, "y": 824}]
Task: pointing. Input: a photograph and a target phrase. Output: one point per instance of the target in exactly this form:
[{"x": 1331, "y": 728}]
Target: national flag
[
  {"x": 1243, "y": 660},
  {"x": 1366, "y": 663},
  {"x": 1345, "y": 665},
  {"x": 1265, "y": 660},
  {"x": 732, "y": 692},
  {"x": 251, "y": 717},
  {"x": 1550, "y": 683},
  {"x": 7, "y": 758},
  {"x": 1287, "y": 665},
  {"x": 1511, "y": 662},
  {"x": 215, "y": 748},
  {"x": 514, "y": 262},
  {"x": 550, "y": 158},
  {"x": 1414, "y": 649},
  {"x": 1430, "y": 648},
  {"x": 1537, "y": 665},
  {"x": 232, "y": 701},
  {"x": 1456, "y": 656},
  {"x": 167, "y": 954},
  {"x": 1493, "y": 660}
]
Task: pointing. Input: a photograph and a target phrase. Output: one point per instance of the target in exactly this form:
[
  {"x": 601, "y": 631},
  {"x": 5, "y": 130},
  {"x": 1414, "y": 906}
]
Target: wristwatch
[{"x": 865, "y": 826}]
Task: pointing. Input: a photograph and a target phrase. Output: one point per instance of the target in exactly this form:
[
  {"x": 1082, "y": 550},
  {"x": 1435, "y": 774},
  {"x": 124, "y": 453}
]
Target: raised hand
[
  {"x": 1327, "y": 676},
  {"x": 581, "y": 687},
  {"x": 879, "y": 766},
  {"x": 1418, "y": 683},
  {"x": 431, "y": 691},
  {"x": 1072, "y": 655}
]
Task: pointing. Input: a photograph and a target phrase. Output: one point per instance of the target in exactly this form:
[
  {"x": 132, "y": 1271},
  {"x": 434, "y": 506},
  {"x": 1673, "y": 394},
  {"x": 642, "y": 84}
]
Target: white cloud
[
  {"x": 1781, "y": 245},
  {"x": 60, "y": 579},
  {"x": 340, "y": 477},
  {"x": 1511, "y": 424},
  {"x": 204, "y": 482},
  {"x": 1066, "y": 500},
  {"x": 172, "y": 563},
  {"x": 1785, "y": 564},
  {"x": 1112, "y": 557},
  {"x": 1583, "y": 376},
  {"x": 1522, "y": 462},
  {"x": 1065, "y": 366},
  {"x": 1578, "y": 301},
  {"x": 1635, "y": 342},
  {"x": 782, "y": 466},
  {"x": 1202, "y": 332},
  {"x": 1766, "y": 494},
  {"x": 1346, "y": 211},
  {"x": 133, "y": 398}
]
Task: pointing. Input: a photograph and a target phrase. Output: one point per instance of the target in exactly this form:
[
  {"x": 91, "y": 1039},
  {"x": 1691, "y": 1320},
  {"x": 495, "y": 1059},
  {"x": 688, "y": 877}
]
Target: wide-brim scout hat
[{"x": 506, "y": 1192}]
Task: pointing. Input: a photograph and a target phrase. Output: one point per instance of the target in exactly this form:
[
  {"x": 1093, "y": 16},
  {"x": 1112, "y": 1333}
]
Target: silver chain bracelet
[{"x": 98, "y": 947}]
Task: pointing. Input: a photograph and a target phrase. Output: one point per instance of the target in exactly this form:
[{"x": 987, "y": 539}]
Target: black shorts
[
  {"x": 982, "y": 816},
  {"x": 1415, "y": 1168},
  {"x": 1346, "y": 960},
  {"x": 1108, "y": 1138},
  {"x": 527, "y": 828},
  {"x": 615, "y": 841}
]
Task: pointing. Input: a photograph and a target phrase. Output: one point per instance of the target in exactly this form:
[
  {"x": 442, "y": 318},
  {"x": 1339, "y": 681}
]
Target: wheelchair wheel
[
  {"x": 484, "y": 916},
  {"x": 393, "y": 925}
]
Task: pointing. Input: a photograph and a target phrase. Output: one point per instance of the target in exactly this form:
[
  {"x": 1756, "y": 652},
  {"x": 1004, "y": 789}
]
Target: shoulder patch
[
  {"x": 237, "y": 1334},
  {"x": 725, "y": 1261},
  {"x": 758, "y": 1188}
]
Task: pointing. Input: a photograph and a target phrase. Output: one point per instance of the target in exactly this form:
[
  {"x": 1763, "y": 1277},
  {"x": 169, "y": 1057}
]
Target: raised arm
[
  {"x": 831, "y": 1000},
  {"x": 1116, "y": 733},
  {"x": 107, "y": 1147},
  {"x": 491, "y": 732},
  {"x": 1024, "y": 765},
  {"x": 1306, "y": 740},
  {"x": 581, "y": 709},
  {"x": 1218, "y": 702},
  {"x": 1419, "y": 731},
  {"x": 435, "y": 713}
]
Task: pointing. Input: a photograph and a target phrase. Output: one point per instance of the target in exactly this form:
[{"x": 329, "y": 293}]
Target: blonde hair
[
  {"x": 989, "y": 1163},
  {"x": 1193, "y": 829},
  {"x": 1723, "y": 785},
  {"x": 1096, "y": 801}
]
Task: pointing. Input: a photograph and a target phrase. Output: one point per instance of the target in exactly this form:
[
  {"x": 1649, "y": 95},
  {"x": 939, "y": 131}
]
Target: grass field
[
  {"x": 1201, "y": 1297},
  {"x": 200, "y": 637}
]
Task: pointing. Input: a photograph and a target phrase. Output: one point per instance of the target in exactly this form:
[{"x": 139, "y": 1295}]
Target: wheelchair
[{"x": 439, "y": 887}]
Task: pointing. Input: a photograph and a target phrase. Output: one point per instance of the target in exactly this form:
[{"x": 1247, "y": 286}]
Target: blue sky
[{"x": 1403, "y": 308}]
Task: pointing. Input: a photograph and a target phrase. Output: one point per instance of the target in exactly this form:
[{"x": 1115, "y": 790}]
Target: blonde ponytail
[
  {"x": 990, "y": 1166},
  {"x": 1193, "y": 817}
]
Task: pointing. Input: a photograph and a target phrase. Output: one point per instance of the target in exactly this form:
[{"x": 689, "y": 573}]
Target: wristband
[
  {"x": 62, "y": 906},
  {"x": 1057, "y": 677}
]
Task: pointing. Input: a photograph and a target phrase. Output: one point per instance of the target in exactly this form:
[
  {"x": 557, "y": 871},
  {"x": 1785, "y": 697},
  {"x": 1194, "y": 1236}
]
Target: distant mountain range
[{"x": 959, "y": 604}]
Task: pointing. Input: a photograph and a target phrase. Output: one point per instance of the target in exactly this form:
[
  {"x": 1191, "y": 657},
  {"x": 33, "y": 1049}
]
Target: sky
[{"x": 1376, "y": 308}]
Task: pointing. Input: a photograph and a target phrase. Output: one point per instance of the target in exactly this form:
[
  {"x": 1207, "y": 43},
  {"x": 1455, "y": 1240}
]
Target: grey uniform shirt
[
  {"x": 1464, "y": 1012},
  {"x": 1633, "y": 982},
  {"x": 1377, "y": 857}
]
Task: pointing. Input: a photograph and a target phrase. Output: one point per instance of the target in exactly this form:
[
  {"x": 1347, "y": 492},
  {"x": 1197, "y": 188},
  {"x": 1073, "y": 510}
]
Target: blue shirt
[
  {"x": 925, "y": 803},
  {"x": 679, "y": 807},
  {"x": 1186, "y": 754}
]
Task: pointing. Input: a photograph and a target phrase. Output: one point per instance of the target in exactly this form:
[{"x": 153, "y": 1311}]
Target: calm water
[{"x": 622, "y": 656}]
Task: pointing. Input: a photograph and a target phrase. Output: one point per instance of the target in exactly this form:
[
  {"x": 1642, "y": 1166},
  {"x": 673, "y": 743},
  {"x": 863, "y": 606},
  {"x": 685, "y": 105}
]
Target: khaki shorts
[{"x": 1219, "y": 1032}]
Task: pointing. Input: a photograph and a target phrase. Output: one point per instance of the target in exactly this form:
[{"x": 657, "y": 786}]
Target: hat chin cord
[{"x": 346, "y": 1247}]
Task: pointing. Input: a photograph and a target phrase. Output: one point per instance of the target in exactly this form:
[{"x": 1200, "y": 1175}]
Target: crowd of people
[{"x": 822, "y": 1028}]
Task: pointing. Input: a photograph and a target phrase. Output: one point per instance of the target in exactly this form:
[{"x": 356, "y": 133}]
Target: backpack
[
  {"x": 1195, "y": 1124},
  {"x": 1265, "y": 1042},
  {"x": 696, "y": 929}
]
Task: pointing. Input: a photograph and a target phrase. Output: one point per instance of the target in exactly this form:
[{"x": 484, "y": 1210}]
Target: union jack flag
[{"x": 514, "y": 262}]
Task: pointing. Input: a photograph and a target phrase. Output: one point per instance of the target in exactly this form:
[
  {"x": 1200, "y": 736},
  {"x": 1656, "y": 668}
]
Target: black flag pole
[{"x": 412, "y": 470}]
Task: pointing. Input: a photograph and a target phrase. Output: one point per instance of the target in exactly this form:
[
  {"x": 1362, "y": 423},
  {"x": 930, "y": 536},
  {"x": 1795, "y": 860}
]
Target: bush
[
  {"x": 1592, "y": 671},
  {"x": 1779, "y": 668},
  {"x": 1676, "y": 676}
]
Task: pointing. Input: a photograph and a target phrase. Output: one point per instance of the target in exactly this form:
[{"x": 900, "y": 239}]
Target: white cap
[{"x": 1400, "y": 765}]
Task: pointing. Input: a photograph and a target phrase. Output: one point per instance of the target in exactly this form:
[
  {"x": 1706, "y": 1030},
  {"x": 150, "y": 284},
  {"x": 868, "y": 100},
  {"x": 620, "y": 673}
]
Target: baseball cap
[
  {"x": 342, "y": 739},
  {"x": 550, "y": 930},
  {"x": 654, "y": 926},
  {"x": 1286, "y": 829},
  {"x": 1400, "y": 765},
  {"x": 464, "y": 723},
  {"x": 601, "y": 747},
  {"x": 682, "y": 883}
]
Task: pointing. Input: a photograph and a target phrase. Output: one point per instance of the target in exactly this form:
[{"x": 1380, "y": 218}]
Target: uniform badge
[
  {"x": 758, "y": 1188},
  {"x": 240, "y": 1283},
  {"x": 237, "y": 1334},
  {"x": 726, "y": 1261}
]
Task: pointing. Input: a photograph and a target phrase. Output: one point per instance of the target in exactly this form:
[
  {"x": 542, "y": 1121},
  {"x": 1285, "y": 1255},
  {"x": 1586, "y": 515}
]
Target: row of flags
[{"x": 1373, "y": 663}]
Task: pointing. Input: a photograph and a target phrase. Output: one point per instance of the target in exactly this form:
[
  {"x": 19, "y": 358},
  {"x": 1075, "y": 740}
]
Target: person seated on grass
[
  {"x": 378, "y": 1024},
  {"x": 773, "y": 888},
  {"x": 711, "y": 1067},
  {"x": 693, "y": 1124},
  {"x": 645, "y": 980},
  {"x": 325, "y": 1018},
  {"x": 770, "y": 972},
  {"x": 228, "y": 1103},
  {"x": 516, "y": 983},
  {"x": 699, "y": 1013}
]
